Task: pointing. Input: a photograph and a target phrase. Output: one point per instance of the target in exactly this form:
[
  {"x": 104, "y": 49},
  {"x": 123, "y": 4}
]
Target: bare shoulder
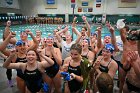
[
  {"x": 114, "y": 63},
  {"x": 92, "y": 53}
]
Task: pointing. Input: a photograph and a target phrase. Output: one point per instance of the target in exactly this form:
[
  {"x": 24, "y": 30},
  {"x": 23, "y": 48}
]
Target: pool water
[{"x": 46, "y": 28}]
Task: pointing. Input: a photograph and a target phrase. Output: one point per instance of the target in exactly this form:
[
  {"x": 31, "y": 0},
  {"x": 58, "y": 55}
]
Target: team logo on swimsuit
[{"x": 67, "y": 49}]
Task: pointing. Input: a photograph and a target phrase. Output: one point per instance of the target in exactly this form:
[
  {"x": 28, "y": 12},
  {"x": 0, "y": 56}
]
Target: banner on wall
[
  {"x": 9, "y": 4},
  {"x": 84, "y": 3},
  {"x": 85, "y": 10},
  {"x": 90, "y": 9},
  {"x": 79, "y": 9},
  {"x": 127, "y": 3},
  {"x": 98, "y": 5},
  {"x": 98, "y": 0},
  {"x": 72, "y": 1},
  {"x": 50, "y": 4}
]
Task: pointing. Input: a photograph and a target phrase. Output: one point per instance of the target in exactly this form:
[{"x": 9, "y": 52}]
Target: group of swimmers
[{"x": 41, "y": 61}]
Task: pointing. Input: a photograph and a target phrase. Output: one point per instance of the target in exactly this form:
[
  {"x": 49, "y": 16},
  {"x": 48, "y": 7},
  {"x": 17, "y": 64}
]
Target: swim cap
[
  {"x": 109, "y": 47},
  {"x": 20, "y": 42}
]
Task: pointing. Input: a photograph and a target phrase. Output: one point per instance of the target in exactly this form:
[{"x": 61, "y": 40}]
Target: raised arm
[
  {"x": 99, "y": 41},
  {"x": 9, "y": 65},
  {"x": 113, "y": 38},
  {"x": 60, "y": 32},
  {"x": 4, "y": 44},
  {"x": 87, "y": 25},
  {"x": 2, "y": 55},
  {"x": 7, "y": 31},
  {"x": 47, "y": 61},
  {"x": 35, "y": 42},
  {"x": 77, "y": 33},
  {"x": 74, "y": 22},
  {"x": 123, "y": 34},
  {"x": 57, "y": 55}
]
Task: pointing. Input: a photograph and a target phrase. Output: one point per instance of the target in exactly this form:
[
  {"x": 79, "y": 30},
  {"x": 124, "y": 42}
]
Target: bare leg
[{"x": 20, "y": 84}]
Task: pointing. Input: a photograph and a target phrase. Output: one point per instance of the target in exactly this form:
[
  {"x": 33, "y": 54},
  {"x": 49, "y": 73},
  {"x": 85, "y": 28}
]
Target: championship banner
[{"x": 9, "y": 4}]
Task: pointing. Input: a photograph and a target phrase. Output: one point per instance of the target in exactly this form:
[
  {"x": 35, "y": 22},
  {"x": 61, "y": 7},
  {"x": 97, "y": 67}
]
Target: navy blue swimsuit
[
  {"x": 74, "y": 85},
  {"x": 104, "y": 68},
  {"x": 52, "y": 70},
  {"x": 85, "y": 56},
  {"x": 33, "y": 80},
  {"x": 19, "y": 71}
]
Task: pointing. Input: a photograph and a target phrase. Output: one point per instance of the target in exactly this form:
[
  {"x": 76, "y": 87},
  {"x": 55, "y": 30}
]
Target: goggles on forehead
[{"x": 109, "y": 47}]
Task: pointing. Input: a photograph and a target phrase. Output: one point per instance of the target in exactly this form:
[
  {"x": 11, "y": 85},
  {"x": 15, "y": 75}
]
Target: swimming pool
[{"x": 48, "y": 28}]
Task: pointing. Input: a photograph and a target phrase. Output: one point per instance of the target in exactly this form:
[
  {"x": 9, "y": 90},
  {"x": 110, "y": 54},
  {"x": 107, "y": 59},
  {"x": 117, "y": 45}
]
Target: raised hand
[
  {"x": 99, "y": 29},
  {"x": 12, "y": 34},
  {"x": 28, "y": 31},
  {"x": 111, "y": 29},
  {"x": 39, "y": 51},
  {"x": 108, "y": 24},
  {"x": 12, "y": 52},
  {"x": 66, "y": 28},
  {"x": 74, "y": 19},
  {"x": 84, "y": 18}
]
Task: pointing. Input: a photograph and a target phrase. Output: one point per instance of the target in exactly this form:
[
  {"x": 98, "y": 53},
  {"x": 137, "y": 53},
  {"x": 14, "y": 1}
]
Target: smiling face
[
  {"x": 106, "y": 53},
  {"x": 21, "y": 48},
  {"x": 31, "y": 56},
  {"x": 38, "y": 33},
  {"x": 107, "y": 40},
  {"x": 75, "y": 51},
  {"x": 50, "y": 41},
  {"x": 74, "y": 54},
  {"x": 23, "y": 36}
]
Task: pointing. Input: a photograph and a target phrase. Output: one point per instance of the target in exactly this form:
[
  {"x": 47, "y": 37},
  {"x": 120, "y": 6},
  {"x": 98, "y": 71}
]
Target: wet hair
[
  {"x": 104, "y": 83},
  {"x": 39, "y": 30},
  {"x": 94, "y": 33},
  {"x": 77, "y": 47},
  {"x": 23, "y": 32},
  {"x": 107, "y": 35},
  {"x": 85, "y": 27},
  {"x": 37, "y": 55},
  {"x": 88, "y": 40}
]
